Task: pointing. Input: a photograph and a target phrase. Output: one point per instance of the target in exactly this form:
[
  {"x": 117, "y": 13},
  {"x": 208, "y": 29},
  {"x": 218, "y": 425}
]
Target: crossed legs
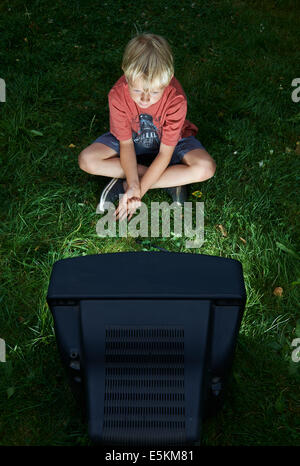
[{"x": 197, "y": 165}]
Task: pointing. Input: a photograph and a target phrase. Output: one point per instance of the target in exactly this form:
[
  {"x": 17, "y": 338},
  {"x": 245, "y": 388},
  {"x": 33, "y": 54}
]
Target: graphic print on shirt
[{"x": 149, "y": 135}]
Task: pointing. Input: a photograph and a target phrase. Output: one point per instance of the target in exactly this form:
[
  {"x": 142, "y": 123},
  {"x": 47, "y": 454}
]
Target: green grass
[{"x": 236, "y": 61}]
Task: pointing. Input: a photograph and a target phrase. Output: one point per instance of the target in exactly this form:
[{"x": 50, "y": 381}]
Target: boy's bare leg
[
  {"x": 177, "y": 175},
  {"x": 197, "y": 166},
  {"x": 111, "y": 167},
  {"x": 174, "y": 175}
]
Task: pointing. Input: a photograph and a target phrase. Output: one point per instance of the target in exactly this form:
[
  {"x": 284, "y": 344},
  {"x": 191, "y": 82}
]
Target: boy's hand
[{"x": 130, "y": 201}]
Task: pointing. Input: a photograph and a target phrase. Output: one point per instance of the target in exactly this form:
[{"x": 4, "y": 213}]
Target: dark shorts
[{"x": 145, "y": 156}]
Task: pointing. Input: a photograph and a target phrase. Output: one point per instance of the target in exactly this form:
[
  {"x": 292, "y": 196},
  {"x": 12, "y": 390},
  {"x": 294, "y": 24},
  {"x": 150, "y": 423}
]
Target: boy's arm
[
  {"x": 128, "y": 162},
  {"x": 157, "y": 167}
]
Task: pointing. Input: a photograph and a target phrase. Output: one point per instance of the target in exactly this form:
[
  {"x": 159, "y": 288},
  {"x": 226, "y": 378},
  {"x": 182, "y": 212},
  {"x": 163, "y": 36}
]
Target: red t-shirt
[{"x": 163, "y": 121}]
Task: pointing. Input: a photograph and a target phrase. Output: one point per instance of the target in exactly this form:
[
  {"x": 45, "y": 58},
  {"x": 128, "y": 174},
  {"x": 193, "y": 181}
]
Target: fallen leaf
[
  {"x": 71, "y": 146},
  {"x": 197, "y": 193},
  {"x": 37, "y": 248},
  {"x": 222, "y": 229},
  {"x": 243, "y": 240},
  {"x": 278, "y": 291}
]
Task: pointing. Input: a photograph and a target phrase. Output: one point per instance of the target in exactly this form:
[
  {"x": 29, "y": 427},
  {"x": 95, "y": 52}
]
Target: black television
[{"x": 147, "y": 340}]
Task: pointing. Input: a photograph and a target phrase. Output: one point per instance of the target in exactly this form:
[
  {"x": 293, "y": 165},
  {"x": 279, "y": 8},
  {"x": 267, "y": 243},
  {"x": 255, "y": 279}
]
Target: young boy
[{"x": 150, "y": 143}]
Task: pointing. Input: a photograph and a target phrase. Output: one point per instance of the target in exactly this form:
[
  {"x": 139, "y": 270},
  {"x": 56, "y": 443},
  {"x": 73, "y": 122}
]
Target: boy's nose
[{"x": 145, "y": 98}]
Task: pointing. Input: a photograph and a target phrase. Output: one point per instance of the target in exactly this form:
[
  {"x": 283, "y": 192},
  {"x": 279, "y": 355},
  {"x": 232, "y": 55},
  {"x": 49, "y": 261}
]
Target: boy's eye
[{"x": 136, "y": 90}]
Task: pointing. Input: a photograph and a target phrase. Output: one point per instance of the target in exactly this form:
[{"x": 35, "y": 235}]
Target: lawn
[{"x": 236, "y": 61}]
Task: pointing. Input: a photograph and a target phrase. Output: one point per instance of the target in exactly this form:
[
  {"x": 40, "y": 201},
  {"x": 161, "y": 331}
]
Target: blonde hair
[{"x": 148, "y": 57}]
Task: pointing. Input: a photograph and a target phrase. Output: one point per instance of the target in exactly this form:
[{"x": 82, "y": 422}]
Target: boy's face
[{"x": 142, "y": 98}]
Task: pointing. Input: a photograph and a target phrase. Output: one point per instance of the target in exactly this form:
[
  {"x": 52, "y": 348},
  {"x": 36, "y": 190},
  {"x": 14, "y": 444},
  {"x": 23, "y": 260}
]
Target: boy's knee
[
  {"x": 207, "y": 168},
  {"x": 212, "y": 168},
  {"x": 83, "y": 160}
]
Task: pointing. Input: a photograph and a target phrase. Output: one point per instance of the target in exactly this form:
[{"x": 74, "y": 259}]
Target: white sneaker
[{"x": 110, "y": 193}]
